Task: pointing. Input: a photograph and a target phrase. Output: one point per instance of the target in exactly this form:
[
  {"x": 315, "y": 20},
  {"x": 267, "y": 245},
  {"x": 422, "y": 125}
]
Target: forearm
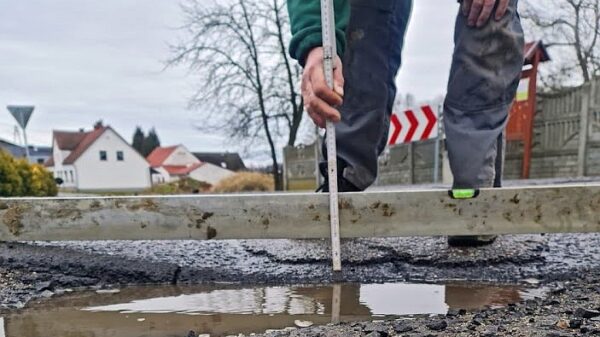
[{"x": 305, "y": 20}]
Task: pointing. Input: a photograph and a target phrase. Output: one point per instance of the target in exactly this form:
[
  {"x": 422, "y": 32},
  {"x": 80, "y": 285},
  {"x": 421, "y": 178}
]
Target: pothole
[{"x": 227, "y": 310}]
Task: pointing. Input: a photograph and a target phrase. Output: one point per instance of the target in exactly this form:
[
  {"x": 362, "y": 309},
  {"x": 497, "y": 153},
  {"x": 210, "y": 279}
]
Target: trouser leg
[
  {"x": 375, "y": 36},
  {"x": 484, "y": 76},
  {"x": 499, "y": 165}
]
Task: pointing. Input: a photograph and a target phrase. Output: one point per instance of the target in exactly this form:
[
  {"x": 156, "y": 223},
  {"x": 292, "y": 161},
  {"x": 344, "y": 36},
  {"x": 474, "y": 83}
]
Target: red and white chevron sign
[{"x": 413, "y": 125}]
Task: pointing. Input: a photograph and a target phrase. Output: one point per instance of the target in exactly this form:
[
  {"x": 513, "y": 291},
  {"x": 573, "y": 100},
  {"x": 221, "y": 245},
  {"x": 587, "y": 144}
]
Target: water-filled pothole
[{"x": 225, "y": 310}]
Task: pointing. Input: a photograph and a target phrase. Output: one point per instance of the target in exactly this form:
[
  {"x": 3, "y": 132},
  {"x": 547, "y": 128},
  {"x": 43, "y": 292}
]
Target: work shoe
[
  {"x": 471, "y": 240},
  {"x": 343, "y": 186}
]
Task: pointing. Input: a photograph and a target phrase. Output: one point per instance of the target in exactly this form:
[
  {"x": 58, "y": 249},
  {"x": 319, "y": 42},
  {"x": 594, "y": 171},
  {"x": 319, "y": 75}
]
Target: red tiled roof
[
  {"x": 67, "y": 140},
  {"x": 89, "y": 139},
  {"x": 76, "y": 142},
  {"x": 159, "y": 155},
  {"x": 181, "y": 170}
]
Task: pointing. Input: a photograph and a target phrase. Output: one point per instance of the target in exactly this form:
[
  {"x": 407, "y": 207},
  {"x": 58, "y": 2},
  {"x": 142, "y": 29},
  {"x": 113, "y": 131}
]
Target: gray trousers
[{"x": 485, "y": 73}]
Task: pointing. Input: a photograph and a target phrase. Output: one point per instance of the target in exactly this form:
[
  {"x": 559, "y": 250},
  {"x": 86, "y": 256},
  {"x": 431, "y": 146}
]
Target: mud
[
  {"x": 12, "y": 219},
  {"x": 569, "y": 309},
  {"x": 222, "y": 310}
]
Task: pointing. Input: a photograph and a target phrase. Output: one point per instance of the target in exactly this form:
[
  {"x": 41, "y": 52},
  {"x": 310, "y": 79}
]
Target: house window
[
  {"x": 120, "y": 156},
  {"x": 71, "y": 174},
  {"x": 103, "y": 156},
  {"x": 40, "y": 160}
]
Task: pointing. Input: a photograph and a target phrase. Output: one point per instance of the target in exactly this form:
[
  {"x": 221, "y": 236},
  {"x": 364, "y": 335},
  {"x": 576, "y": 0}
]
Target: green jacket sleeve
[{"x": 305, "y": 21}]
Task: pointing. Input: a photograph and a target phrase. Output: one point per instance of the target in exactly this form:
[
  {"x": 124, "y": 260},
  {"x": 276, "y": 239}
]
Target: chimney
[{"x": 81, "y": 130}]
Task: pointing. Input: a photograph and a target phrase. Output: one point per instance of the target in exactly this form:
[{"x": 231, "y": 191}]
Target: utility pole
[{"x": 22, "y": 113}]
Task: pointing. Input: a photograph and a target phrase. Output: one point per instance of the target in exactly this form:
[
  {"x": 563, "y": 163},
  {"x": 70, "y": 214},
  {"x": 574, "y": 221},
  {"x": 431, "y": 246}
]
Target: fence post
[
  {"x": 583, "y": 130},
  {"x": 284, "y": 174},
  {"x": 317, "y": 152},
  {"x": 436, "y": 152},
  {"x": 411, "y": 162}
]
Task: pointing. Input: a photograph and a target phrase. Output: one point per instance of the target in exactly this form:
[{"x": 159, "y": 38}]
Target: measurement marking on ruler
[
  {"x": 329, "y": 53},
  {"x": 2, "y": 331}
]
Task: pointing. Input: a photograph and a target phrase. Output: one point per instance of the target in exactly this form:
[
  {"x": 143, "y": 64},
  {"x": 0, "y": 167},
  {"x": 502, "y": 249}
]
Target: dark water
[{"x": 222, "y": 310}]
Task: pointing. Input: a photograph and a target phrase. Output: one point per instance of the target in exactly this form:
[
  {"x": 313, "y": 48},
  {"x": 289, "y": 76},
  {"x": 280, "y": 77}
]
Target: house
[
  {"x": 13, "y": 149},
  {"x": 37, "y": 154},
  {"x": 175, "y": 162},
  {"x": 97, "y": 160},
  {"x": 230, "y": 161}
]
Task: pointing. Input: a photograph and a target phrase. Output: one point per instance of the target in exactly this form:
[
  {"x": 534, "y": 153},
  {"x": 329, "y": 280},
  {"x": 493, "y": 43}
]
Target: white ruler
[
  {"x": 2, "y": 331},
  {"x": 329, "y": 54}
]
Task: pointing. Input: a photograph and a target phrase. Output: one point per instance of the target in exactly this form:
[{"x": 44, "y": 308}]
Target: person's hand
[
  {"x": 319, "y": 100},
  {"x": 479, "y": 11}
]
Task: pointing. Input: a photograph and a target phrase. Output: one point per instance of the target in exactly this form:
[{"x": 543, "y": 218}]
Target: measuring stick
[{"x": 329, "y": 54}]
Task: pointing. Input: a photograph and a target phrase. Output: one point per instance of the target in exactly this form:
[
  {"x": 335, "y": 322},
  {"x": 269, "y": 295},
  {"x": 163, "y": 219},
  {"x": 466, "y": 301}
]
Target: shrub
[
  {"x": 11, "y": 183},
  {"x": 245, "y": 182},
  {"x": 18, "y": 178},
  {"x": 42, "y": 182},
  {"x": 181, "y": 186}
]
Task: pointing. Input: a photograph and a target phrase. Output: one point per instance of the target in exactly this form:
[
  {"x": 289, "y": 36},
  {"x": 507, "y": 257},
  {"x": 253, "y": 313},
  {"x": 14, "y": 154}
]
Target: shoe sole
[{"x": 471, "y": 240}]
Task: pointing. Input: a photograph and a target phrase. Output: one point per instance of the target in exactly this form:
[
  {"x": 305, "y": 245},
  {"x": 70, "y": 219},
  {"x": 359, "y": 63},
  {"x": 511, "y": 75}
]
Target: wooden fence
[{"x": 566, "y": 143}]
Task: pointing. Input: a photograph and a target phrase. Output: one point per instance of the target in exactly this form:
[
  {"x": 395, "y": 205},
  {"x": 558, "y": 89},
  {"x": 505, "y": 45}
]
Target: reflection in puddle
[{"x": 172, "y": 311}]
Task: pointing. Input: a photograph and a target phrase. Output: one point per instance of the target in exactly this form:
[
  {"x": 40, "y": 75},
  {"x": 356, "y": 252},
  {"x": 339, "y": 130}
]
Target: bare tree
[
  {"x": 571, "y": 29},
  {"x": 247, "y": 86},
  {"x": 290, "y": 100}
]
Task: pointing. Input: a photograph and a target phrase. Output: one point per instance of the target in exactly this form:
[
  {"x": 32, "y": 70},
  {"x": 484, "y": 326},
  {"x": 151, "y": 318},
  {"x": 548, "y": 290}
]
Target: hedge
[{"x": 19, "y": 178}]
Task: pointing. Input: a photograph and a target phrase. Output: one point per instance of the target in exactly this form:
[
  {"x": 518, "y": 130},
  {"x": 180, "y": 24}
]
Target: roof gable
[
  {"x": 158, "y": 156},
  {"x": 530, "y": 51},
  {"x": 85, "y": 142},
  {"x": 78, "y": 142},
  {"x": 231, "y": 161}
]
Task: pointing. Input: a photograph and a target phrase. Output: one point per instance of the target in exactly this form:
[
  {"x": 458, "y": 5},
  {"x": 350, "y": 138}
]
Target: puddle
[{"x": 222, "y": 310}]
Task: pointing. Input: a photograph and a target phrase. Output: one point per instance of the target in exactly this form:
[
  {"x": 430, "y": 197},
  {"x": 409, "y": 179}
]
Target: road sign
[
  {"x": 413, "y": 125},
  {"x": 21, "y": 113}
]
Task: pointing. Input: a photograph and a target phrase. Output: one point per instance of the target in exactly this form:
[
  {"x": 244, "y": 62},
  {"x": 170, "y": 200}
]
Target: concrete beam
[{"x": 552, "y": 209}]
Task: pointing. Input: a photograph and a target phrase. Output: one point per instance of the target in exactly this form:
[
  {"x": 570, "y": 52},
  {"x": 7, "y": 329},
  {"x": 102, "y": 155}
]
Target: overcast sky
[{"x": 79, "y": 61}]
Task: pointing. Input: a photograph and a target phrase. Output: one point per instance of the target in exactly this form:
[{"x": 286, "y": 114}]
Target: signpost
[
  {"x": 22, "y": 113},
  {"x": 436, "y": 152},
  {"x": 411, "y": 126}
]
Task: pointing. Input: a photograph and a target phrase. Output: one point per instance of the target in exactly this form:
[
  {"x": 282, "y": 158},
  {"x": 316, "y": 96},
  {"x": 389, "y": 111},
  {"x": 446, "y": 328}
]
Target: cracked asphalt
[{"x": 35, "y": 269}]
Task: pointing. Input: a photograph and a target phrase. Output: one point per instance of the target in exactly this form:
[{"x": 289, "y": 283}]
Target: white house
[
  {"x": 97, "y": 160},
  {"x": 175, "y": 162}
]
